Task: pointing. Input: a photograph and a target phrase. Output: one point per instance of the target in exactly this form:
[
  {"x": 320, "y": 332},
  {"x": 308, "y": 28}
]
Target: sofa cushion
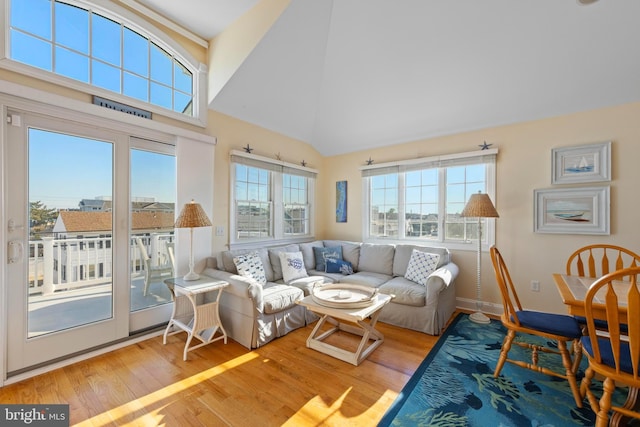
[
  {"x": 292, "y": 266},
  {"x": 350, "y": 251},
  {"x": 365, "y": 278},
  {"x": 229, "y": 265},
  {"x": 376, "y": 258},
  {"x": 323, "y": 253},
  {"x": 274, "y": 259},
  {"x": 406, "y": 292},
  {"x": 421, "y": 265},
  {"x": 308, "y": 255},
  {"x": 403, "y": 255},
  {"x": 250, "y": 266},
  {"x": 338, "y": 266},
  {"x": 278, "y": 297}
]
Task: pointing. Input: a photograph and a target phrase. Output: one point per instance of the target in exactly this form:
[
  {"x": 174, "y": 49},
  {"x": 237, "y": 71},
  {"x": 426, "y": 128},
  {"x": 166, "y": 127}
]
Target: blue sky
[{"x": 65, "y": 169}]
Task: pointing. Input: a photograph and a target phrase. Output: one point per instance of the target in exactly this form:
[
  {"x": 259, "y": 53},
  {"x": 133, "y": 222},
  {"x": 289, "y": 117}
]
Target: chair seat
[
  {"x": 557, "y": 324},
  {"x": 607, "y": 354},
  {"x": 601, "y": 324}
]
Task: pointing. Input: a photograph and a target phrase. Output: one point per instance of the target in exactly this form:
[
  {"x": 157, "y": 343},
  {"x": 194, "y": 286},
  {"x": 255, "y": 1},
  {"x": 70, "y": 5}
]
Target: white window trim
[
  {"x": 277, "y": 203},
  {"x": 489, "y": 231},
  {"x": 111, "y": 10}
]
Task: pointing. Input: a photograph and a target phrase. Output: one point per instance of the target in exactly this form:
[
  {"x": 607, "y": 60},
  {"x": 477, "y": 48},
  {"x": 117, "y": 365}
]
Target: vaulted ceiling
[{"x": 348, "y": 75}]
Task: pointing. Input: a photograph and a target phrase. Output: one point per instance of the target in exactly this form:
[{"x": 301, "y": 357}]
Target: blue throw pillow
[
  {"x": 338, "y": 266},
  {"x": 321, "y": 254}
]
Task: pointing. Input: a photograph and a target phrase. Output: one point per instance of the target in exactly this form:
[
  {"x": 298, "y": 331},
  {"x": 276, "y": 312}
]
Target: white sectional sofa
[{"x": 254, "y": 314}]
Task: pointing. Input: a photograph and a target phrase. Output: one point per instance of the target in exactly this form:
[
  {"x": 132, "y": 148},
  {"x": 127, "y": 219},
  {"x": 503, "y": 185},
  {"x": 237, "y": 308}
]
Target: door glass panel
[
  {"x": 70, "y": 231},
  {"x": 153, "y": 196}
]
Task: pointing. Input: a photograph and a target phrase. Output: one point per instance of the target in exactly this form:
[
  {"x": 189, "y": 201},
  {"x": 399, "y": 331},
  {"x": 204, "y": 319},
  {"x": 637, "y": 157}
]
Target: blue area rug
[{"x": 454, "y": 385}]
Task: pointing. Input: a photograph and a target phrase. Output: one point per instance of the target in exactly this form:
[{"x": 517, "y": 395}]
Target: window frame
[
  {"x": 136, "y": 23},
  {"x": 440, "y": 163},
  {"x": 276, "y": 169}
]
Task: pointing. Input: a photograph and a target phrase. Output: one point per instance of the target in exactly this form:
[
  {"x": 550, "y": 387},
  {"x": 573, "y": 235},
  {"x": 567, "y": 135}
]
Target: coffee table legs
[{"x": 360, "y": 327}]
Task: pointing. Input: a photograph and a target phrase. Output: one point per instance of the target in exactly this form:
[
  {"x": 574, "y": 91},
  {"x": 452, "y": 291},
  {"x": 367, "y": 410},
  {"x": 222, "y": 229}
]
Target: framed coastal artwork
[
  {"x": 341, "y": 201},
  {"x": 584, "y": 163},
  {"x": 581, "y": 210}
]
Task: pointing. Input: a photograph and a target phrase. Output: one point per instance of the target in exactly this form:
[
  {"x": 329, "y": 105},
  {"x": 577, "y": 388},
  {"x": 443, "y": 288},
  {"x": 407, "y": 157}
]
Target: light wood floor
[{"x": 283, "y": 383}]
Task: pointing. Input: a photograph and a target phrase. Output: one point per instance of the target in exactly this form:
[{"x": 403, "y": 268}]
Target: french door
[{"x": 72, "y": 263}]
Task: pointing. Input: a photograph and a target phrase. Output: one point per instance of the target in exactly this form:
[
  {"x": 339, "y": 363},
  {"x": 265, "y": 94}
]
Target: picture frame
[
  {"x": 341, "y": 201},
  {"x": 581, "y": 210},
  {"x": 583, "y": 163}
]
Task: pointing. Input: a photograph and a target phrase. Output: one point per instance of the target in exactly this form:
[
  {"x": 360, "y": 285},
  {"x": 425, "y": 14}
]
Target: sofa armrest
[
  {"x": 447, "y": 273},
  {"x": 212, "y": 262},
  {"x": 440, "y": 279},
  {"x": 240, "y": 286}
]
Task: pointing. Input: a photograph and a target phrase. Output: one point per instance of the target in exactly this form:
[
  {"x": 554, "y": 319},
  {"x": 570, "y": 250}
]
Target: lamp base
[
  {"x": 479, "y": 317},
  {"x": 191, "y": 276}
]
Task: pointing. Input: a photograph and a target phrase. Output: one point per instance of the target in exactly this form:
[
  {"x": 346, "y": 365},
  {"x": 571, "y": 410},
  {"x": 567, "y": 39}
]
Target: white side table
[{"x": 191, "y": 314}]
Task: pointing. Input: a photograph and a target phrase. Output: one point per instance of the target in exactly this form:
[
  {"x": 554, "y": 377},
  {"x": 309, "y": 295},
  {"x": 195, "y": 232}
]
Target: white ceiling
[{"x": 348, "y": 75}]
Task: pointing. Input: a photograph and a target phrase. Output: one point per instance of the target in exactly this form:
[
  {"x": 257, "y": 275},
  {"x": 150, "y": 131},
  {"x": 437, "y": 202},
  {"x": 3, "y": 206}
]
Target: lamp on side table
[{"x": 192, "y": 216}]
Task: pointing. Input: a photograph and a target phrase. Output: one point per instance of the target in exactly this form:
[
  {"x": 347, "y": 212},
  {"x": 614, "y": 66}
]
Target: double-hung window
[
  {"x": 421, "y": 199},
  {"x": 271, "y": 200}
]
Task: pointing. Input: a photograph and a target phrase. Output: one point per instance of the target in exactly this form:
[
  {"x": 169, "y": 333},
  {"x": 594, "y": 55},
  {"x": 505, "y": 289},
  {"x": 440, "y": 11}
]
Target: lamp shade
[
  {"x": 479, "y": 206},
  {"x": 192, "y": 216}
]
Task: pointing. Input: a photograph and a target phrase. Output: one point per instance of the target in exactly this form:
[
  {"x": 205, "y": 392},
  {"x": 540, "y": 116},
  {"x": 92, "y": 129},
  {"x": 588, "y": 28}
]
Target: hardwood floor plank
[{"x": 282, "y": 383}]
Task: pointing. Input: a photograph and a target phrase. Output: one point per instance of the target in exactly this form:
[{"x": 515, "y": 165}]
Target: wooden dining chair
[
  {"x": 616, "y": 355},
  {"x": 597, "y": 260},
  {"x": 562, "y": 329}
]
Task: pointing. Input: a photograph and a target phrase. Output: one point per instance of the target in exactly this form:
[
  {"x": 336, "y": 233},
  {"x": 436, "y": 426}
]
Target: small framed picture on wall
[
  {"x": 341, "y": 201},
  {"x": 584, "y": 163}
]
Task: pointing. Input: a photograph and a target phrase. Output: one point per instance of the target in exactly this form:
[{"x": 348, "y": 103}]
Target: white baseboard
[{"x": 487, "y": 307}]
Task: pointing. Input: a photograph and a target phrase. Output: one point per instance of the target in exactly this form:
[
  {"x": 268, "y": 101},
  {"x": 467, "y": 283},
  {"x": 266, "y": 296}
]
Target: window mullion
[
  {"x": 401, "y": 205},
  {"x": 442, "y": 204},
  {"x": 277, "y": 217}
]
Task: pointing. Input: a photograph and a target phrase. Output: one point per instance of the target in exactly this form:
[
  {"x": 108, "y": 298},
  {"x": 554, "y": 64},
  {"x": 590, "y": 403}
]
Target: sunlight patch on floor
[{"x": 152, "y": 403}]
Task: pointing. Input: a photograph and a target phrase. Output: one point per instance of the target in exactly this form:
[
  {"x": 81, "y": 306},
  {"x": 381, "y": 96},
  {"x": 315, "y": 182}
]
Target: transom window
[
  {"x": 422, "y": 199},
  {"x": 82, "y": 44},
  {"x": 270, "y": 200}
]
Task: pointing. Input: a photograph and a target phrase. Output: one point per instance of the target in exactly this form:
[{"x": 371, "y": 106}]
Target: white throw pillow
[
  {"x": 250, "y": 266},
  {"x": 421, "y": 265},
  {"x": 292, "y": 266}
]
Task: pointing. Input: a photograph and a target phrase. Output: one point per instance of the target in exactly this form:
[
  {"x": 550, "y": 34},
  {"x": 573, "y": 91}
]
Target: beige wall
[{"x": 524, "y": 164}]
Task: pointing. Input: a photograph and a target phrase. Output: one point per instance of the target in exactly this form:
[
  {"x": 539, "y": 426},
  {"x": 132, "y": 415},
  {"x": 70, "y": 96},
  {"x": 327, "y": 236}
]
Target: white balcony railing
[{"x": 57, "y": 264}]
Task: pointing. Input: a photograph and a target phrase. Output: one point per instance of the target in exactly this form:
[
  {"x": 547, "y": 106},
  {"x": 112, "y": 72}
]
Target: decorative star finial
[
  {"x": 248, "y": 149},
  {"x": 369, "y": 162},
  {"x": 303, "y": 163},
  {"x": 485, "y": 146},
  {"x": 278, "y": 156}
]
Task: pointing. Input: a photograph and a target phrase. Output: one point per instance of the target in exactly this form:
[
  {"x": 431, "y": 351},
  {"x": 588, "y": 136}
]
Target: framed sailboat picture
[
  {"x": 584, "y": 163},
  {"x": 580, "y": 210}
]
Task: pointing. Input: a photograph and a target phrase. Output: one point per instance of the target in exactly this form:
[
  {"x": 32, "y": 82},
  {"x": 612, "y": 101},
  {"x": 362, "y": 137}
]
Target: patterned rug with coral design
[{"x": 454, "y": 385}]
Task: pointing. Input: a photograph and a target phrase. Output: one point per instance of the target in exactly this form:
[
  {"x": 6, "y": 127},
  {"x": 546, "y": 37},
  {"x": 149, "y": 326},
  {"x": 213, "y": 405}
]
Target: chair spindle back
[{"x": 599, "y": 260}]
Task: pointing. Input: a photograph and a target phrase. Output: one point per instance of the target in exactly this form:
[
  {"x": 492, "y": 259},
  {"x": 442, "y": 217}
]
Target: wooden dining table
[{"x": 573, "y": 290}]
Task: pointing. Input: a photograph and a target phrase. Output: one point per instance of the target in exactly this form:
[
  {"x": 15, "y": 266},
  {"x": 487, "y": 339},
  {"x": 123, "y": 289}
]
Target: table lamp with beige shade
[
  {"x": 192, "y": 216},
  {"x": 479, "y": 206}
]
